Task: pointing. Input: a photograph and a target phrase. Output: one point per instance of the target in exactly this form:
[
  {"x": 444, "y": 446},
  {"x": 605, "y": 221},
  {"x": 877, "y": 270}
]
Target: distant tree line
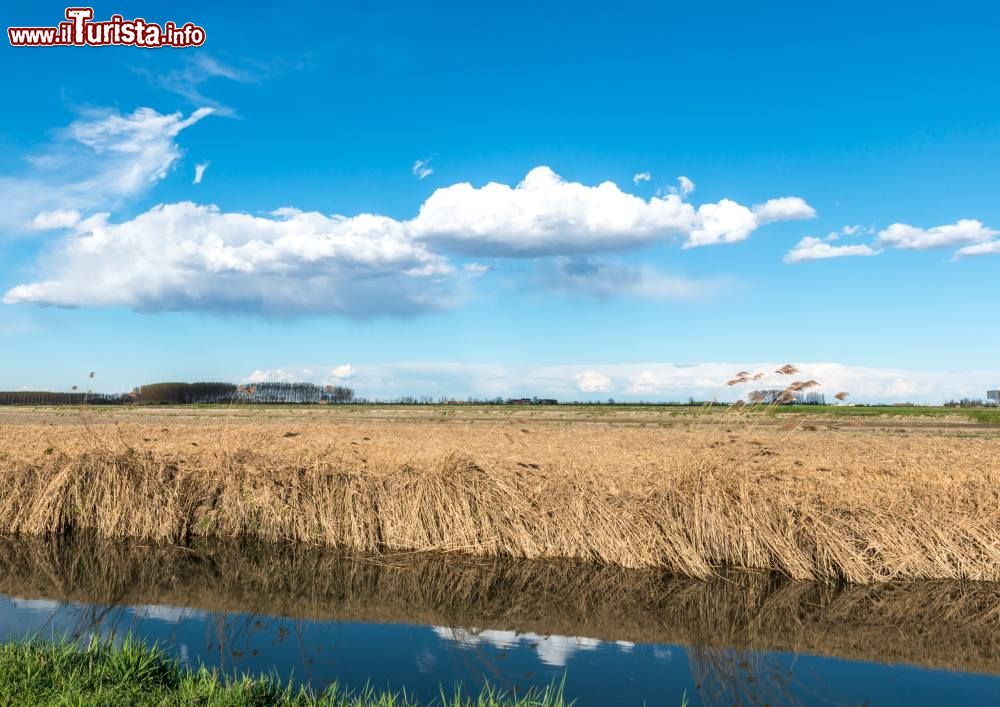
[
  {"x": 777, "y": 397},
  {"x": 191, "y": 393},
  {"x": 965, "y": 403},
  {"x": 264, "y": 393},
  {"x": 184, "y": 393},
  {"x": 46, "y": 397}
]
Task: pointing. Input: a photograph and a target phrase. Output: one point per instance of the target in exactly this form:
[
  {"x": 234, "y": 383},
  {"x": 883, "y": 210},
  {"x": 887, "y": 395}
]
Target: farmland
[{"x": 834, "y": 495}]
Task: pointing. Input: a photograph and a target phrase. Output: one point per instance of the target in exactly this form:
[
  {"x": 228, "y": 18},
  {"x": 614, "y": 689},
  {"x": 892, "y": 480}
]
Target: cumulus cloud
[
  {"x": 976, "y": 239},
  {"x": 281, "y": 375},
  {"x": 422, "y": 169},
  {"x": 545, "y": 215},
  {"x": 960, "y": 233},
  {"x": 199, "y": 171},
  {"x": 98, "y": 161},
  {"x": 651, "y": 381},
  {"x": 606, "y": 280},
  {"x": 641, "y": 177},
  {"x": 786, "y": 208},
  {"x": 810, "y": 248},
  {"x": 186, "y": 256},
  {"x": 988, "y": 248},
  {"x": 592, "y": 382},
  {"x": 343, "y": 372}
]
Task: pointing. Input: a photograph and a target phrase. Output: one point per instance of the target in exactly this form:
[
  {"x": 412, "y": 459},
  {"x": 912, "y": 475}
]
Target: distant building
[{"x": 993, "y": 397}]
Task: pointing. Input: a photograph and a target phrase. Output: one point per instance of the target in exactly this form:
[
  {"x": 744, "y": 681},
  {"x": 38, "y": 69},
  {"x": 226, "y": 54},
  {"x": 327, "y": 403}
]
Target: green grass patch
[
  {"x": 988, "y": 415},
  {"x": 65, "y": 673}
]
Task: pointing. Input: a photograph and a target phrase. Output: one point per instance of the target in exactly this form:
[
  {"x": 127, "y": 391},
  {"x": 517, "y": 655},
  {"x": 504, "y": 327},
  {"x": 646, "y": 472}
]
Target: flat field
[{"x": 837, "y": 494}]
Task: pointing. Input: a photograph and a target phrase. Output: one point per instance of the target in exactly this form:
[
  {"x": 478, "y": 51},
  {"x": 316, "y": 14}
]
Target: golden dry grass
[{"x": 812, "y": 503}]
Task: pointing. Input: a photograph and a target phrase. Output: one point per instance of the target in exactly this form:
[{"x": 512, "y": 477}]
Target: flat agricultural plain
[{"x": 841, "y": 495}]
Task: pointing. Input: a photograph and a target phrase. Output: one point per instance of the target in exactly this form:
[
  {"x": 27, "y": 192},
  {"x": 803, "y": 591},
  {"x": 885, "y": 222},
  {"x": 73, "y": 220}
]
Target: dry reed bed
[
  {"x": 818, "y": 505},
  {"x": 937, "y": 624}
]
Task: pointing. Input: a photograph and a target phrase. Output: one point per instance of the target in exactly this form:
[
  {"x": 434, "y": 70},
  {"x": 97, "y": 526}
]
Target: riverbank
[
  {"x": 802, "y": 497},
  {"x": 39, "y": 673}
]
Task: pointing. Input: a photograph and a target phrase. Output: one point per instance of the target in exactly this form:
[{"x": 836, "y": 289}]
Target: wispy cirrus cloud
[
  {"x": 422, "y": 168},
  {"x": 97, "y": 162},
  {"x": 195, "y": 72}
]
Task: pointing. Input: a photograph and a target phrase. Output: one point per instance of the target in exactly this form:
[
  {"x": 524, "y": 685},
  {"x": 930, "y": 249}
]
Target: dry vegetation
[
  {"x": 949, "y": 625},
  {"x": 684, "y": 493}
]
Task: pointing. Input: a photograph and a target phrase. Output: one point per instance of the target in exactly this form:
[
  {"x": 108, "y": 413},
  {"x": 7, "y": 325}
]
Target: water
[{"x": 422, "y": 622}]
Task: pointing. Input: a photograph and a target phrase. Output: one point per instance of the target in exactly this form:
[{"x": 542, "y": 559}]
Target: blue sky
[{"x": 872, "y": 132}]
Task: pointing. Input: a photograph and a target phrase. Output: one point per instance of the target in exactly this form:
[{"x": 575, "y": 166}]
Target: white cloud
[
  {"x": 199, "y": 171},
  {"x": 280, "y": 375},
  {"x": 641, "y": 177},
  {"x": 988, "y": 248},
  {"x": 810, "y": 248},
  {"x": 593, "y": 382},
  {"x": 344, "y": 372},
  {"x": 684, "y": 185},
  {"x": 960, "y": 233},
  {"x": 60, "y": 218},
  {"x": 606, "y": 280},
  {"x": 98, "y": 161},
  {"x": 724, "y": 222},
  {"x": 321, "y": 375},
  {"x": 786, "y": 208},
  {"x": 188, "y": 256},
  {"x": 140, "y": 146},
  {"x": 544, "y": 215},
  {"x": 421, "y": 168},
  {"x": 651, "y": 381},
  {"x": 185, "y": 256}
]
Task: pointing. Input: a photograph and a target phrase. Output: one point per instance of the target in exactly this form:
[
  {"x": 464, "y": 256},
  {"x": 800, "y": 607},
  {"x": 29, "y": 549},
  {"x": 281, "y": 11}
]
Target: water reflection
[{"x": 420, "y": 621}]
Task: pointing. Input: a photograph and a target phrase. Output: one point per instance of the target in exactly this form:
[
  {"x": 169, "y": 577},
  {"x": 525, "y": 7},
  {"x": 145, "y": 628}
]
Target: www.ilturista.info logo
[{"x": 80, "y": 30}]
